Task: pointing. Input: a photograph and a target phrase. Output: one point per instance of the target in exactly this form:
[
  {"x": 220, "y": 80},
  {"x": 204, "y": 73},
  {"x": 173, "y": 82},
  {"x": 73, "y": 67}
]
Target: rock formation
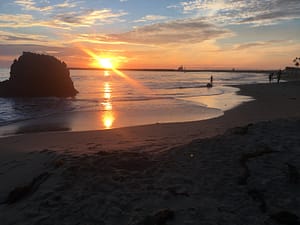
[{"x": 37, "y": 75}]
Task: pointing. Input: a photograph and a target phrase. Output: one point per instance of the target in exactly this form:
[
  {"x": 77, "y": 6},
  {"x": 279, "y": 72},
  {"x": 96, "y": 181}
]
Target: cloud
[
  {"x": 151, "y": 18},
  {"x": 17, "y": 49},
  {"x": 31, "y": 5},
  {"x": 177, "y": 31},
  {"x": 43, "y": 6},
  {"x": 250, "y": 45},
  {"x": 203, "y": 5},
  {"x": 175, "y": 6},
  {"x": 18, "y": 20},
  {"x": 95, "y": 39},
  {"x": 65, "y": 20},
  {"x": 254, "y": 12},
  {"x": 62, "y": 17},
  {"x": 259, "y": 44},
  {"x": 15, "y": 38},
  {"x": 26, "y": 21},
  {"x": 278, "y": 11},
  {"x": 88, "y": 17}
]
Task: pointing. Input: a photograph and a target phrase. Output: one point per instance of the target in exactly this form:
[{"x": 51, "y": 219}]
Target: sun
[{"x": 106, "y": 63}]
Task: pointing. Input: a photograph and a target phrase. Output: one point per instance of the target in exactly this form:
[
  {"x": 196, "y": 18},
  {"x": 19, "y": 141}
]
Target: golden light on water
[
  {"x": 107, "y": 91},
  {"x": 110, "y": 64},
  {"x": 108, "y": 115},
  {"x": 107, "y": 106},
  {"x": 108, "y": 119},
  {"x": 132, "y": 82},
  {"x": 107, "y": 95}
]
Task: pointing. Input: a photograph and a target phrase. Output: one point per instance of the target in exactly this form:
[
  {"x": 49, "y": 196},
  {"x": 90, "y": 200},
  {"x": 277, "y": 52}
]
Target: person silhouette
[
  {"x": 279, "y": 76},
  {"x": 271, "y": 77},
  {"x": 210, "y": 84}
]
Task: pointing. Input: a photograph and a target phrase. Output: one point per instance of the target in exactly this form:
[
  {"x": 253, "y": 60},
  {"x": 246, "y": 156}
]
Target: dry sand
[{"x": 182, "y": 173}]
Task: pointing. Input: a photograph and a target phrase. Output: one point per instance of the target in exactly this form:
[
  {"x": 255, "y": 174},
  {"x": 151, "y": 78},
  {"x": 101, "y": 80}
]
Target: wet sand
[{"x": 241, "y": 168}]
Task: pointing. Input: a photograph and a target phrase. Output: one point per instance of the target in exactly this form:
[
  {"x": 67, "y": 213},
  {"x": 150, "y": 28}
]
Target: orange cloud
[{"x": 174, "y": 32}]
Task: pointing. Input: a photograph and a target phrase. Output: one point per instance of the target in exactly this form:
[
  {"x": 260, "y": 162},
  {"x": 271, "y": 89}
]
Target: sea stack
[{"x": 38, "y": 75}]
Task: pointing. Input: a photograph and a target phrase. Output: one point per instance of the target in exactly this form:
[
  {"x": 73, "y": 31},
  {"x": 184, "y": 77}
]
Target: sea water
[{"x": 111, "y": 99}]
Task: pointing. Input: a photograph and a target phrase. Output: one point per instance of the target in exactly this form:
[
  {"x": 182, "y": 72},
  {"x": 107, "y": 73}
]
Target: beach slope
[{"x": 242, "y": 168}]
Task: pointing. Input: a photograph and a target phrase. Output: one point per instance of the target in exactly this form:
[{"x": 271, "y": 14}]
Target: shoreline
[
  {"x": 285, "y": 93},
  {"x": 272, "y": 101},
  {"x": 177, "y": 110},
  {"x": 240, "y": 168},
  {"x": 250, "y": 91}
]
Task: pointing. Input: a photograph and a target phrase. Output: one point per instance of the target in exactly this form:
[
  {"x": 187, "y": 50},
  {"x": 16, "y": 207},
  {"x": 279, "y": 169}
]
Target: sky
[{"x": 202, "y": 34}]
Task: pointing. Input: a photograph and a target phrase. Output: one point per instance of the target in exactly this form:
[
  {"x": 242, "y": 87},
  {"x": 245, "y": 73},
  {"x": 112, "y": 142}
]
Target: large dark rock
[{"x": 36, "y": 75}]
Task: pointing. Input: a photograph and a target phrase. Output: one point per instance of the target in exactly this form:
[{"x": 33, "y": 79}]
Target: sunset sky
[{"x": 249, "y": 34}]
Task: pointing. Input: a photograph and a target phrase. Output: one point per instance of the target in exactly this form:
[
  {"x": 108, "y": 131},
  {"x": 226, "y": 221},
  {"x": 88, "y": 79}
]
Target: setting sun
[
  {"x": 106, "y": 63},
  {"x": 102, "y": 60}
]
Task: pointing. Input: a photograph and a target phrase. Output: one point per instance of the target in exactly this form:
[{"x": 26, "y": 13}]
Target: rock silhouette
[{"x": 38, "y": 75}]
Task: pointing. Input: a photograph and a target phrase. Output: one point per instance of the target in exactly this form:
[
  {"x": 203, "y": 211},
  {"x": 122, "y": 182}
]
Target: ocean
[{"x": 112, "y": 99}]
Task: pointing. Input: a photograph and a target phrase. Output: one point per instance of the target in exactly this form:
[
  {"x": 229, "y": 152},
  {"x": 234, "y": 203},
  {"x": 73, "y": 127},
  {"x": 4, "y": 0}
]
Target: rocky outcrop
[{"x": 37, "y": 75}]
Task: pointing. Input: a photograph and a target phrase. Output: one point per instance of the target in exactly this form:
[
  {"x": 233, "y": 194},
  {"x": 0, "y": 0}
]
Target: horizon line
[{"x": 177, "y": 70}]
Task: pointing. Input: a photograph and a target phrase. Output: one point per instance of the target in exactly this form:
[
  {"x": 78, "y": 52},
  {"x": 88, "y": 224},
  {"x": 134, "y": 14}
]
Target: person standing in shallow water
[
  {"x": 279, "y": 76},
  {"x": 210, "y": 84},
  {"x": 270, "y": 77}
]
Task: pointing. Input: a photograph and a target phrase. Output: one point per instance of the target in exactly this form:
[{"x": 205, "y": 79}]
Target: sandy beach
[{"x": 240, "y": 168}]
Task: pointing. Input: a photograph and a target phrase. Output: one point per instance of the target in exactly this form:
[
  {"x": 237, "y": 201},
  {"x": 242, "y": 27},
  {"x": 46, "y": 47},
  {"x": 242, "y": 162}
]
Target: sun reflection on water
[
  {"x": 107, "y": 92},
  {"x": 108, "y": 115},
  {"x": 108, "y": 119}
]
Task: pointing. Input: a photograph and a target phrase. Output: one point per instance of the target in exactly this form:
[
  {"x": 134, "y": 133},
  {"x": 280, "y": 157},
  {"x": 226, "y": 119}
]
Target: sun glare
[
  {"x": 101, "y": 60},
  {"x": 108, "y": 119},
  {"x": 106, "y": 63}
]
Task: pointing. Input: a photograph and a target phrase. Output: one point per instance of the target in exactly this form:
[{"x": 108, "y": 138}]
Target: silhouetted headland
[{"x": 38, "y": 75}]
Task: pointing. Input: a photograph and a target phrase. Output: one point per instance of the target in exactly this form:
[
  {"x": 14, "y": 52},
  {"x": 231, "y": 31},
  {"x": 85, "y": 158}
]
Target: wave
[{"x": 177, "y": 85}]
